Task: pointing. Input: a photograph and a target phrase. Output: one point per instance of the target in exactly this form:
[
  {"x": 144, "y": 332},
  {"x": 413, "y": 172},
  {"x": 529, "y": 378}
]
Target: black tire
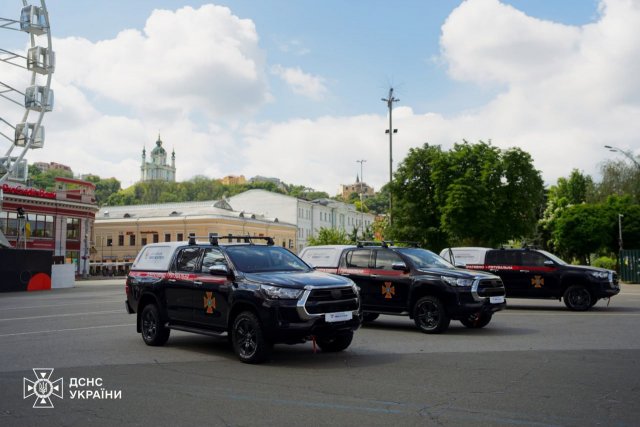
[
  {"x": 335, "y": 343},
  {"x": 578, "y": 298},
  {"x": 248, "y": 339},
  {"x": 153, "y": 330},
  {"x": 369, "y": 317},
  {"x": 430, "y": 316},
  {"x": 477, "y": 321}
]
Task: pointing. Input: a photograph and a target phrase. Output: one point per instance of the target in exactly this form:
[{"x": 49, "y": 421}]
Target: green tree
[
  {"x": 379, "y": 202},
  {"x": 630, "y": 221},
  {"x": 474, "y": 194},
  {"x": 46, "y": 180},
  {"x": 415, "y": 214},
  {"x": 576, "y": 189},
  {"x": 582, "y": 230},
  {"x": 619, "y": 178},
  {"x": 104, "y": 187},
  {"x": 329, "y": 236}
]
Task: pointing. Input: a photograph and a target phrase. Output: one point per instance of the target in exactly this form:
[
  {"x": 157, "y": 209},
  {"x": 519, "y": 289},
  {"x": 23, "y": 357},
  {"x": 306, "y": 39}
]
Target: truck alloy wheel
[
  {"x": 248, "y": 339},
  {"x": 430, "y": 316},
  {"x": 577, "y": 298},
  {"x": 153, "y": 330}
]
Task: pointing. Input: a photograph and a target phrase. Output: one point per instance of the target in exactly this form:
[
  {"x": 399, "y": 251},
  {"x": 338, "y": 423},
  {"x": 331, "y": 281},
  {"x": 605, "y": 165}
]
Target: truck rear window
[{"x": 153, "y": 258}]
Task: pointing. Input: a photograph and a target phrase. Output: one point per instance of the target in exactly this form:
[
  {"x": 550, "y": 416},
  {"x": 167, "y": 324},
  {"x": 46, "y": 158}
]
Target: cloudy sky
[{"x": 292, "y": 89}]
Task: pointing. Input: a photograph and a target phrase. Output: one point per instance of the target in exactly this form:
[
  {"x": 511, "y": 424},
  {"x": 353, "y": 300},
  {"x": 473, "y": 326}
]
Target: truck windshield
[
  {"x": 553, "y": 257},
  {"x": 258, "y": 259},
  {"x": 422, "y": 258}
]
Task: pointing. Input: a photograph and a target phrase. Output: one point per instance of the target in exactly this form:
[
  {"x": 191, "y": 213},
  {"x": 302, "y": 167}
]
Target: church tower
[{"x": 158, "y": 169}]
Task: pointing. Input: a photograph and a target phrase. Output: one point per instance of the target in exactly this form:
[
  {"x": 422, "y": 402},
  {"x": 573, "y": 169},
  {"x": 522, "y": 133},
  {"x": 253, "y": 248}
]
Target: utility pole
[
  {"x": 390, "y": 100},
  {"x": 361, "y": 195}
]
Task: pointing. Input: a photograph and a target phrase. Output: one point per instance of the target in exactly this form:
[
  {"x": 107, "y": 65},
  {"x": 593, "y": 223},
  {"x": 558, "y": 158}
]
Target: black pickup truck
[
  {"x": 412, "y": 281},
  {"x": 255, "y": 294},
  {"x": 535, "y": 273}
]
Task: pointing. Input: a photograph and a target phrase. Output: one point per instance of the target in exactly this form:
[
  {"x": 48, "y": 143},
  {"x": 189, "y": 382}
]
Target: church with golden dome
[{"x": 157, "y": 169}]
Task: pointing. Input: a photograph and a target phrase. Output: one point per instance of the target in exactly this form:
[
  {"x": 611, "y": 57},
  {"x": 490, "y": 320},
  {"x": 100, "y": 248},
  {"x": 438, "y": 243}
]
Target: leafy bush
[{"x": 605, "y": 262}]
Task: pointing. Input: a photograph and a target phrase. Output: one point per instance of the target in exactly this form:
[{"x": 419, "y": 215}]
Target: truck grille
[
  {"x": 331, "y": 300},
  {"x": 491, "y": 288}
]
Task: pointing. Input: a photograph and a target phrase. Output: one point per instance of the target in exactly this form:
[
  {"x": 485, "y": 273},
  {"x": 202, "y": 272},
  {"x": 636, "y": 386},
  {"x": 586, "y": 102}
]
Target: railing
[{"x": 630, "y": 266}]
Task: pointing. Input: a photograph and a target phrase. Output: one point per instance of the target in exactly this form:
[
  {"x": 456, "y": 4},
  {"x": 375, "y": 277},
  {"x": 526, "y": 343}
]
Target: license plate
[
  {"x": 341, "y": 316},
  {"x": 496, "y": 300}
]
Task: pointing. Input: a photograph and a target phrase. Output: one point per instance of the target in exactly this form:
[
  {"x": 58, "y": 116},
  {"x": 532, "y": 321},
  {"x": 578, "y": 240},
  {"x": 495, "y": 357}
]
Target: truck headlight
[
  {"x": 453, "y": 281},
  {"x": 277, "y": 292},
  {"x": 600, "y": 274}
]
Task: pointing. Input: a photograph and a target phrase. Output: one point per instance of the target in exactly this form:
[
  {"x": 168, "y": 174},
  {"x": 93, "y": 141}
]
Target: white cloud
[
  {"x": 196, "y": 75},
  {"x": 567, "y": 90},
  {"x": 312, "y": 87},
  {"x": 192, "y": 59}
]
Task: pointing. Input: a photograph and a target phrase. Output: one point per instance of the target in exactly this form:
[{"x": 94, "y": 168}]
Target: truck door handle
[
  {"x": 373, "y": 276},
  {"x": 172, "y": 280},
  {"x": 197, "y": 283},
  {"x": 524, "y": 271}
]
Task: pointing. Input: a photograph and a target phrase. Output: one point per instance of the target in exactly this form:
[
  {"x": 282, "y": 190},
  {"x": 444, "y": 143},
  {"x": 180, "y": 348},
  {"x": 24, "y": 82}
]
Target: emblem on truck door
[
  {"x": 388, "y": 290},
  {"x": 537, "y": 281},
  {"x": 209, "y": 302}
]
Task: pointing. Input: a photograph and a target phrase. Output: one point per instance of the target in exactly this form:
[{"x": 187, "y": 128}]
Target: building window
[
  {"x": 12, "y": 224},
  {"x": 132, "y": 239},
  {"x": 73, "y": 228},
  {"x": 109, "y": 241},
  {"x": 155, "y": 238},
  {"x": 179, "y": 237},
  {"x": 143, "y": 241},
  {"x": 121, "y": 240},
  {"x": 42, "y": 226},
  {"x": 167, "y": 237}
]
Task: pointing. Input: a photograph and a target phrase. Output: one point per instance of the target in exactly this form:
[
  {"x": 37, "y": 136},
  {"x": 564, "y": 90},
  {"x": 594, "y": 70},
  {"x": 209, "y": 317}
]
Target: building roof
[
  {"x": 158, "y": 148},
  {"x": 203, "y": 208}
]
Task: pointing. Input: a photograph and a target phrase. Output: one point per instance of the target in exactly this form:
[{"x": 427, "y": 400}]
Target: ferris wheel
[{"x": 25, "y": 90}]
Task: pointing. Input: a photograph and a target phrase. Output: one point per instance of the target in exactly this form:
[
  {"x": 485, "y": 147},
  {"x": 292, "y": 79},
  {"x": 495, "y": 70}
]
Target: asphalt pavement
[{"x": 535, "y": 364}]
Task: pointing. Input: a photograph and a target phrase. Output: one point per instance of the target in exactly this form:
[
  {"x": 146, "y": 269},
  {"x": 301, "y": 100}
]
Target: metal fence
[{"x": 630, "y": 266}]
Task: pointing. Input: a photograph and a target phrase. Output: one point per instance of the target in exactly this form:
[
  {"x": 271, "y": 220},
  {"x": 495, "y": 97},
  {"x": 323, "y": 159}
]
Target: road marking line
[
  {"x": 519, "y": 312},
  {"x": 66, "y": 330},
  {"x": 60, "y": 305},
  {"x": 65, "y": 315}
]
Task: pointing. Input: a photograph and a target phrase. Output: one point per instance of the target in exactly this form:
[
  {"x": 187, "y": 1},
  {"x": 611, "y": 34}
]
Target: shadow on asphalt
[
  {"x": 296, "y": 355},
  {"x": 600, "y": 307},
  {"x": 455, "y": 329}
]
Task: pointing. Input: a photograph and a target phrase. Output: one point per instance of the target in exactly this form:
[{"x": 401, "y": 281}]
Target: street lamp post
[
  {"x": 624, "y": 153},
  {"x": 361, "y": 195},
  {"x": 390, "y": 100},
  {"x": 620, "y": 216}
]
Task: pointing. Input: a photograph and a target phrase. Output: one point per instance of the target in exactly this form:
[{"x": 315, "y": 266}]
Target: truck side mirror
[
  {"x": 219, "y": 270},
  {"x": 400, "y": 266}
]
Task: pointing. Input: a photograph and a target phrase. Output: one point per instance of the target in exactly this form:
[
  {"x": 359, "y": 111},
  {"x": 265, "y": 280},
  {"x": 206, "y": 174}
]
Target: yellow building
[
  {"x": 233, "y": 180},
  {"x": 358, "y": 187},
  {"x": 121, "y": 231}
]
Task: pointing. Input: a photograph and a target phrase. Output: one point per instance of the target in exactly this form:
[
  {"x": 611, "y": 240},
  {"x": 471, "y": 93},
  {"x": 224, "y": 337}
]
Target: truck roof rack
[
  {"x": 214, "y": 238},
  {"x": 385, "y": 244}
]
